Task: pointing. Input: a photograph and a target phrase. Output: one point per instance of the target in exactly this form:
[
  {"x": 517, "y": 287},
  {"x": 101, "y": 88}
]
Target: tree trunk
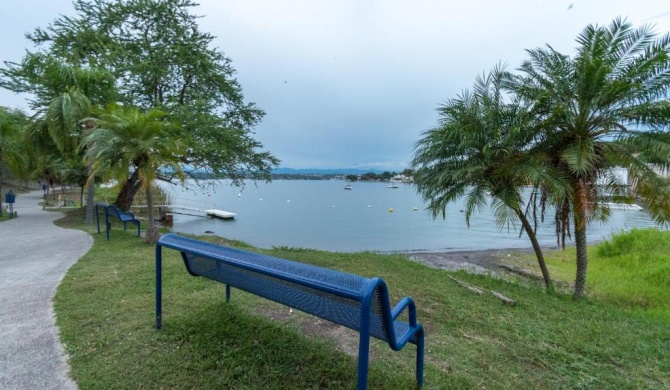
[
  {"x": 152, "y": 234},
  {"x": 81, "y": 196},
  {"x": 582, "y": 259},
  {"x": 128, "y": 191},
  {"x": 90, "y": 195},
  {"x": 90, "y": 199},
  {"x": 538, "y": 251}
]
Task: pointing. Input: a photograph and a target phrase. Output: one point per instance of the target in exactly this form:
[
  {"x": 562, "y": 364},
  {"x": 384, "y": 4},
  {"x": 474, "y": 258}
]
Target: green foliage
[
  {"x": 47, "y": 76},
  {"x": 482, "y": 149},
  {"x": 633, "y": 270},
  {"x": 12, "y": 123},
  {"x": 588, "y": 106},
  {"x": 128, "y": 140},
  {"x": 159, "y": 58},
  {"x": 560, "y": 125}
]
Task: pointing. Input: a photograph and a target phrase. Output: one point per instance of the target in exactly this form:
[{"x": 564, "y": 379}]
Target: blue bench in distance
[
  {"x": 114, "y": 212},
  {"x": 354, "y": 301}
]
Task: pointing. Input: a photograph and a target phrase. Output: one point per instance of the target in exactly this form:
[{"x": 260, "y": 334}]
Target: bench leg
[
  {"x": 159, "y": 287},
  {"x": 419, "y": 358},
  {"x": 97, "y": 218},
  {"x": 363, "y": 356}
]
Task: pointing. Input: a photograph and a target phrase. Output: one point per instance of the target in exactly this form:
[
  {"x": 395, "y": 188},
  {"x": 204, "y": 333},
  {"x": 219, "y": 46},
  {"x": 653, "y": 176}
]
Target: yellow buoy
[{"x": 390, "y": 210}]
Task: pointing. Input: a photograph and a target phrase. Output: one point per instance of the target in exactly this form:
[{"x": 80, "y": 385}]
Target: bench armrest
[{"x": 404, "y": 303}]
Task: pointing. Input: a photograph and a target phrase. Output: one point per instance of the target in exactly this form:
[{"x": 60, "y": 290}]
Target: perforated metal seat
[
  {"x": 113, "y": 211},
  {"x": 350, "y": 300}
]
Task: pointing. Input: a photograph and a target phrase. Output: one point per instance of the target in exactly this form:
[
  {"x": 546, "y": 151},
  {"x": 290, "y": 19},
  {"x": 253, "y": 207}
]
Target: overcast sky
[{"x": 354, "y": 83}]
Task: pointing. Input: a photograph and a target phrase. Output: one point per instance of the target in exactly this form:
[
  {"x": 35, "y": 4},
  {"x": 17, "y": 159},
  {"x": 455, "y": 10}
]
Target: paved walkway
[{"x": 34, "y": 256}]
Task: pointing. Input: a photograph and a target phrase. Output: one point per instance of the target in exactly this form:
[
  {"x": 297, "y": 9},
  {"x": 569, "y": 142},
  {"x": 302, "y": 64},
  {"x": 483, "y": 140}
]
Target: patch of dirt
[
  {"x": 345, "y": 338},
  {"x": 479, "y": 262}
]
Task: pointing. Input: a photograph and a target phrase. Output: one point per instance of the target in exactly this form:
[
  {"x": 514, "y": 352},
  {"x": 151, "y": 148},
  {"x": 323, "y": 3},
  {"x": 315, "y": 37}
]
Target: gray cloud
[{"x": 350, "y": 83}]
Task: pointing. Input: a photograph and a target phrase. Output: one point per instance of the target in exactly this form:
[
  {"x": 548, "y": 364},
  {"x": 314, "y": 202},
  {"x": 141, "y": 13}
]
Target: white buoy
[{"x": 260, "y": 199}]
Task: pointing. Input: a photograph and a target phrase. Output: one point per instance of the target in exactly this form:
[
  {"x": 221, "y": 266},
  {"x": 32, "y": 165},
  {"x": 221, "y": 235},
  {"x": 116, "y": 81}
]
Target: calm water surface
[{"x": 320, "y": 214}]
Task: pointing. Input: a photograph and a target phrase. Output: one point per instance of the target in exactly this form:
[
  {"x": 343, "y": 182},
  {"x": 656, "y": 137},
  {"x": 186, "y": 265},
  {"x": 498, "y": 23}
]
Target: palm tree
[
  {"x": 125, "y": 139},
  {"x": 482, "y": 149},
  {"x": 588, "y": 106},
  {"x": 68, "y": 96}
]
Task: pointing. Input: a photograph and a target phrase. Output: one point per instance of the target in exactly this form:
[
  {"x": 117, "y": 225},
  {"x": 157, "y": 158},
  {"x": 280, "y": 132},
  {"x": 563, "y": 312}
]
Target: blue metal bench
[
  {"x": 353, "y": 301},
  {"x": 113, "y": 211}
]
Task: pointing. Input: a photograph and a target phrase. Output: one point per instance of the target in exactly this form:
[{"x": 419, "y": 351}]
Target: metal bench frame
[
  {"x": 112, "y": 210},
  {"x": 267, "y": 276}
]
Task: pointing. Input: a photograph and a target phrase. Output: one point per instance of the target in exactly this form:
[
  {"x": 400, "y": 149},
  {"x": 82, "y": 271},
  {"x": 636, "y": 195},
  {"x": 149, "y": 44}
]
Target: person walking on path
[{"x": 34, "y": 256}]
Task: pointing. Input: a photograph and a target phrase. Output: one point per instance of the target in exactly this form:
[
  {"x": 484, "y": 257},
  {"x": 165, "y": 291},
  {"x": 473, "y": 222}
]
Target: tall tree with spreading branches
[{"x": 160, "y": 59}]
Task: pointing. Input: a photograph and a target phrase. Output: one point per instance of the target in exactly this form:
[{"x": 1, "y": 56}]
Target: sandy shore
[{"x": 485, "y": 261}]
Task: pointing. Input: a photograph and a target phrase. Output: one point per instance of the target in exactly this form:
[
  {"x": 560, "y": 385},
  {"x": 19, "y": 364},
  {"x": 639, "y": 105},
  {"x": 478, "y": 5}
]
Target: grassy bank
[
  {"x": 630, "y": 270},
  {"x": 105, "y": 310}
]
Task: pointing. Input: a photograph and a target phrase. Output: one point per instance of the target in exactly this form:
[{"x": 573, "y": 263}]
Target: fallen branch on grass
[
  {"x": 470, "y": 287},
  {"x": 480, "y": 291}
]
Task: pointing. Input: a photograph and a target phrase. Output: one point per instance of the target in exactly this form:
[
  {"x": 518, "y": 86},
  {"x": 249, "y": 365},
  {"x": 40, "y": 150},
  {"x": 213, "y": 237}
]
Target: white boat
[
  {"x": 347, "y": 187},
  {"x": 392, "y": 186},
  {"x": 623, "y": 206}
]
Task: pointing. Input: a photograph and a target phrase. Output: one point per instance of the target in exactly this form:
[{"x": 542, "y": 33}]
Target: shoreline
[{"x": 485, "y": 261}]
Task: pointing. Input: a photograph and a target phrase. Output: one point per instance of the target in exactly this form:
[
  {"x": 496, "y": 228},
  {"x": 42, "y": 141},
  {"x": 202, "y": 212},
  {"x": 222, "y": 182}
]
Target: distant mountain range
[{"x": 330, "y": 171}]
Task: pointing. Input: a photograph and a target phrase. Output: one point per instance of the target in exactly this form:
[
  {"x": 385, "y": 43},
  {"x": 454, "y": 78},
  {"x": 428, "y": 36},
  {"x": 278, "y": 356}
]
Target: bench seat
[
  {"x": 113, "y": 211},
  {"x": 353, "y": 301}
]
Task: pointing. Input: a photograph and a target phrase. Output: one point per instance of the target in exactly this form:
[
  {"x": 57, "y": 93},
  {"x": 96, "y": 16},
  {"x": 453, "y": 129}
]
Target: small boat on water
[
  {"x": 347, "y": 187},
  {"x": 392, "y": 186}
]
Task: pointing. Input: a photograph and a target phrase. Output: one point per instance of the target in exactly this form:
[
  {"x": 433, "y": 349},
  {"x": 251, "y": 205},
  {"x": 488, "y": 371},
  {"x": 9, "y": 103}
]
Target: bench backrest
[
  {"x": 353, "y": 301},
  {"x": 113, "y": 210},
  {"x": 333, "y": 295}
]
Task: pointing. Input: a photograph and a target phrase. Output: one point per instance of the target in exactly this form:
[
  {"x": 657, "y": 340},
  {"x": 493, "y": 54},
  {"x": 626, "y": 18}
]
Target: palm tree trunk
[
  {"x": 81, "y": 196},
  {"x": 90, "y": 195},
  {"x": 538, "y": 251},
  {"x": 582, "y": 259},
  {"x": 152, "y": 231},
  {"x": 128, "y": 191}
]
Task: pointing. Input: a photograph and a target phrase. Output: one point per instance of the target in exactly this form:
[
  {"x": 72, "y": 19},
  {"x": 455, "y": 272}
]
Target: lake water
[{"x": 320, "y": 214}]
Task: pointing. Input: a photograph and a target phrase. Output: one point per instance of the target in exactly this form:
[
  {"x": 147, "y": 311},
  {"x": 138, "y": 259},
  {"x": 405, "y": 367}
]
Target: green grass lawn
[
  {"x": 630, "y": 270},
  {"x": 105, "y": 311}
]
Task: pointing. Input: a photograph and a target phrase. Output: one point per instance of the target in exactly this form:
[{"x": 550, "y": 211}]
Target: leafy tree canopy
[{"x": 159, "y": 59}]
